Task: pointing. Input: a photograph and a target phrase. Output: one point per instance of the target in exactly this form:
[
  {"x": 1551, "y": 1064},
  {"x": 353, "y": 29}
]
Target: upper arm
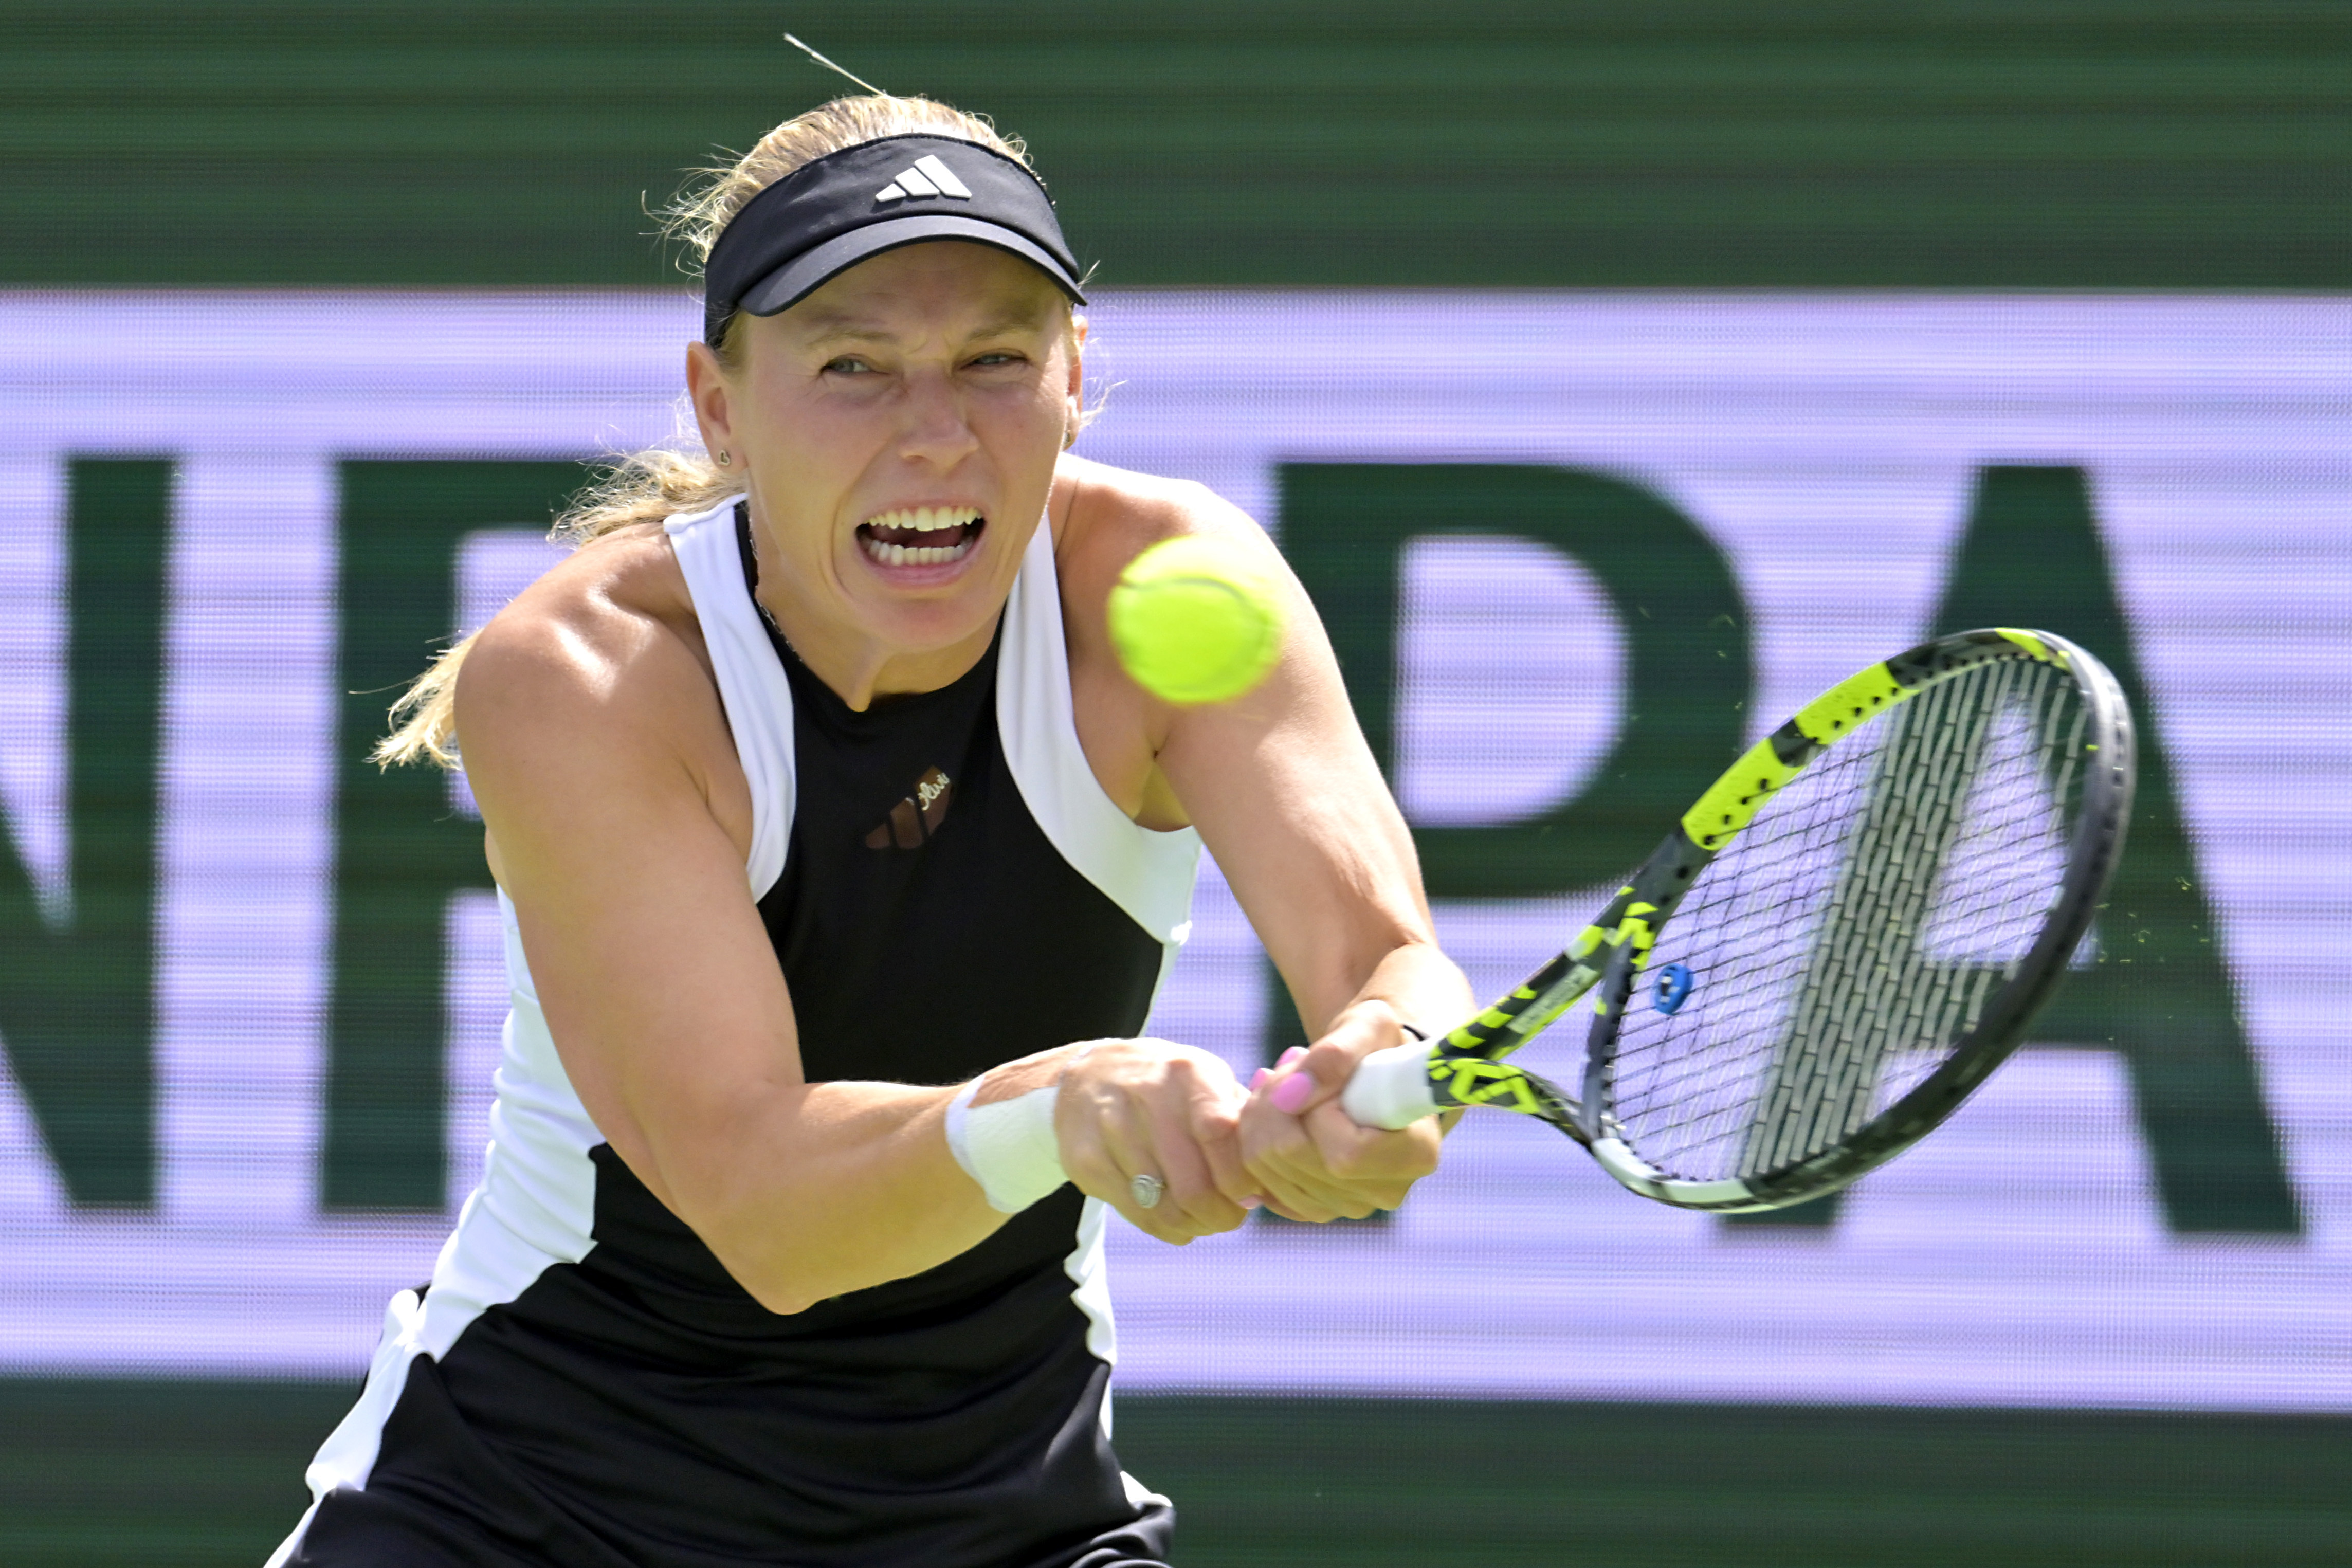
[
  {"x": 590, "y": 738},
  {"x": 1283, "y": 787}
]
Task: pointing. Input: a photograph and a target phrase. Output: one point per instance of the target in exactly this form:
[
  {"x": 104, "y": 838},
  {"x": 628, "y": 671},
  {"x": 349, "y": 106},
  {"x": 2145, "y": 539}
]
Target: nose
[{"x": 936, "y": 431}]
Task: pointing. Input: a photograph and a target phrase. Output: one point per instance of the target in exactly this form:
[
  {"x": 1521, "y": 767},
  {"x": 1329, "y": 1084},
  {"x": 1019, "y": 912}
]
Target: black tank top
[{"x": 640, "y": 1407}]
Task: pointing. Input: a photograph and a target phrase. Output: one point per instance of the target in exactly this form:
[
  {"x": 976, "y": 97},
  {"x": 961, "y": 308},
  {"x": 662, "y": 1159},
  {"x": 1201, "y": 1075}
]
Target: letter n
[{"x": 77, "y": 1002}]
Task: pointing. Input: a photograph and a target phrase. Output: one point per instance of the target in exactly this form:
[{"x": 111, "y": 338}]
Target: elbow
[
  {"x": 782, "y": 1303},
  {"x": 779, "y": 1270},
  {"x": 767, "y": 1274},
  {"x": 746, "y": 1228},
  {"x": 787, "y": 1293}
]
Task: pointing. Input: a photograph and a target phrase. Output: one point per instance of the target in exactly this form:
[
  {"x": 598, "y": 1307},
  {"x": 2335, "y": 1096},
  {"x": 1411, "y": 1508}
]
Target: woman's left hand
[{"x": 1310, "y": 1157}]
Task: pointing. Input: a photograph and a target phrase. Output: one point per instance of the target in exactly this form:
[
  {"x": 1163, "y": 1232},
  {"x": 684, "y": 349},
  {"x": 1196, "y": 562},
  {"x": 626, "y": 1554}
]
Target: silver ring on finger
[{"x": 1147, "y": 1189}]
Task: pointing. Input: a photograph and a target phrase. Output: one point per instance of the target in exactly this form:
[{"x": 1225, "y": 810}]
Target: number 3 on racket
[{"x": 1847, "y": 932}]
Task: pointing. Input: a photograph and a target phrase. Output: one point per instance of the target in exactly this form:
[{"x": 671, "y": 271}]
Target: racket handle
[{"x": 1391, "y": 1088}]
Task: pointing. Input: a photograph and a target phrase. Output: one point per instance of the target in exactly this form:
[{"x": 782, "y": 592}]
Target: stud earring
[{"x": 724, "y": 459}]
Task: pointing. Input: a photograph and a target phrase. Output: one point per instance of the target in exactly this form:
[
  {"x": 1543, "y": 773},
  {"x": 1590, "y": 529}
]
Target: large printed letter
[
  {"x": 401, "y": 851},
  {"x": 1344, "y": 528},
  {"x": 2160, "y": 993},
  {"x": 78, "y": 1004}
]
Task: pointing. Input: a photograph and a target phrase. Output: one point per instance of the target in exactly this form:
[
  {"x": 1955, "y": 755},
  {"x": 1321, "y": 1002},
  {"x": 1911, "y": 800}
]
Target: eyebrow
[{"x": 826, "y": 327}]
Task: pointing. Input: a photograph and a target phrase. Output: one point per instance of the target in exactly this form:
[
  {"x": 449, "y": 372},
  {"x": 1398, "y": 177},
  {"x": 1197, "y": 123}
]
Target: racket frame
[{"x": 1467, "y": 1065}]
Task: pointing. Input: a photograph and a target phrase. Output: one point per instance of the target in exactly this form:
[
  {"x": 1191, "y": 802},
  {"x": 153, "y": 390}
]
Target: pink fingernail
[
  {"x": 1257, "y": 1080},
  {"x": 1252, "y": 1201},
  {"x": 1290, "y": 1055},
  {"x": 1291, "y": 1095}
]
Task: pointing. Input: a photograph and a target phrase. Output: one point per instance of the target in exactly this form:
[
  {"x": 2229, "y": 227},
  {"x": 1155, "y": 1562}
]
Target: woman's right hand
[{"x": 1147, "y": 1107}]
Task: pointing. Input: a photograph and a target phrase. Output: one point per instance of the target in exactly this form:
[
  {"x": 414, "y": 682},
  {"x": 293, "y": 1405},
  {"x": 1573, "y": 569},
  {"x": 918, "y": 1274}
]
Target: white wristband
[{"x": 1008, "y": 1146}]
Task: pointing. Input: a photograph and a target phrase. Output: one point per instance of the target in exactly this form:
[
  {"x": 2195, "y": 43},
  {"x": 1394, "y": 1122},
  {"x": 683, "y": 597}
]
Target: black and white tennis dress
[{"x": 584, "y": 1386}]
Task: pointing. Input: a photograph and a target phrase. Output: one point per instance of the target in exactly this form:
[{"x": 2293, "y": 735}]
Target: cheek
[
  {"x": 802, "y": 535},
  {"x": 820, "y": 446},
  {"x": 1034, "y": 415}
]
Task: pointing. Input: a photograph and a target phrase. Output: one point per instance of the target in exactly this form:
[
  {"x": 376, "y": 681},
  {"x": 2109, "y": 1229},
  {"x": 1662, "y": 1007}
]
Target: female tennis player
[{"x": 839, "y": 863}]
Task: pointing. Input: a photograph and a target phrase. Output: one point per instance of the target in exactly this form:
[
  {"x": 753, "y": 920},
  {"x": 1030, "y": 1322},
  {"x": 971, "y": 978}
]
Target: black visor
[{"x": 827, "y": 217}]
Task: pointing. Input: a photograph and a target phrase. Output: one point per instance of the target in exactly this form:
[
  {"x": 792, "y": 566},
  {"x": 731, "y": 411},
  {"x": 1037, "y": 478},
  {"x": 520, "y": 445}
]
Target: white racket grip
[
  {"x": 1008, "y": 1147},
  {"x": 1391, "y": 1088}
]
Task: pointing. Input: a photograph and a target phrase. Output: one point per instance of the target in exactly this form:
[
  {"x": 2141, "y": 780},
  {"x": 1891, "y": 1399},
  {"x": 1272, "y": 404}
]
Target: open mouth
[{"x": 922, "y": 536}]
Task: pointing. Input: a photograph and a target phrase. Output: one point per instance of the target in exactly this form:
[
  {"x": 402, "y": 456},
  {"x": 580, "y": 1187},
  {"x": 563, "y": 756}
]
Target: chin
[{"x": 926, "y": 622}]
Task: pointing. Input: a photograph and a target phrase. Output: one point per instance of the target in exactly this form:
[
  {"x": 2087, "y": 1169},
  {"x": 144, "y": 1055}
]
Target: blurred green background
[
  {"x": 1767, "y": 144},
  {"x": 2069, "y": 144}
]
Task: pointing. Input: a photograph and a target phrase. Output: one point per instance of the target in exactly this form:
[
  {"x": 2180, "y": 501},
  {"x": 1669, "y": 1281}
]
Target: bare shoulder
[
  {"x": 598, "y": 668},
  {"x": 1102, "y": 518},
  {"x": 1105, "y": 516},
  {"x": 607, "y": 628}
]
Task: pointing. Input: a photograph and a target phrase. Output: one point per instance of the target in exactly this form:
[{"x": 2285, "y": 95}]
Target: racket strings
[
  {"x": 1847, "y": 942},
  {"x": 1854, "y": 1005}
]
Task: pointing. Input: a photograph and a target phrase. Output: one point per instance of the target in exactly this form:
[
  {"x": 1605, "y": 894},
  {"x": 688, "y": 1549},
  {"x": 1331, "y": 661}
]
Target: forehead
[{"x": 939, "y": 284}]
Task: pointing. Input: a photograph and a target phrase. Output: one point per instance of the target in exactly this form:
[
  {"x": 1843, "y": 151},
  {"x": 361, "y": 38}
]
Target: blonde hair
[{"x": 641, "y": 489}]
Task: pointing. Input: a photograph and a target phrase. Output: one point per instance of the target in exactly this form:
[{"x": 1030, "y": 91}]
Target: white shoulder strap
[
  {"x": 753, "y": 690},
  {"x": 1147, "y": 874}
]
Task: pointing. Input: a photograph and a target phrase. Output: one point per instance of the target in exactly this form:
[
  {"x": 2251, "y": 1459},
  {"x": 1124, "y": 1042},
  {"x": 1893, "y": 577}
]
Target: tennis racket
[{"x": 1848, "y": 930}]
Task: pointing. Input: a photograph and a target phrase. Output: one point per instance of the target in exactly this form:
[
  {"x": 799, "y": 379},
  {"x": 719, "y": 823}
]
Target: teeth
[
  {"x": 915, "y": 555},
  {"x": 926, "y": 519}
]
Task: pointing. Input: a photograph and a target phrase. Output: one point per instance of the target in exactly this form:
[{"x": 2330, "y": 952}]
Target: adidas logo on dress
[{"x": 925, "y": 176}]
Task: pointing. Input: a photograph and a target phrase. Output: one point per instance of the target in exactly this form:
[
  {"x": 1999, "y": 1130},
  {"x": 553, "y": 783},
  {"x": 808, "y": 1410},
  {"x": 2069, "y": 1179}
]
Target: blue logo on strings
[{"x": 1673, "y": 989}]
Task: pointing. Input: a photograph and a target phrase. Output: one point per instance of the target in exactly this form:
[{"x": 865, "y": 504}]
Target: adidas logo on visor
[{"x": 926, "y": 176}]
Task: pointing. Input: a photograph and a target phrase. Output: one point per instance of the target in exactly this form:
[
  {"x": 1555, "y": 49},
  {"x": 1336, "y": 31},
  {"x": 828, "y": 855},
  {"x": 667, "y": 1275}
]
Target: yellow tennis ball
[{"x": 1197, "y": 619}]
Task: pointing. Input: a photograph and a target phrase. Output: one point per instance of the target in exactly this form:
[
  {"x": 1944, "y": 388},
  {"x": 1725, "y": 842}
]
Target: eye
[
  {"x": 848, "y": 365},
  {"x": 995, "y": 357}
]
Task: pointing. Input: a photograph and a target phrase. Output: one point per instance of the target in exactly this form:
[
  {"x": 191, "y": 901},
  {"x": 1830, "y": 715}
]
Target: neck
[
  {"x": 856, "y": 667},
  {"x": 860, "y": 672}
]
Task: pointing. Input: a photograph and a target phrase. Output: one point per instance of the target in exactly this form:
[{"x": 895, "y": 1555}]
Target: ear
[{"x": 706, "y": 387}]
